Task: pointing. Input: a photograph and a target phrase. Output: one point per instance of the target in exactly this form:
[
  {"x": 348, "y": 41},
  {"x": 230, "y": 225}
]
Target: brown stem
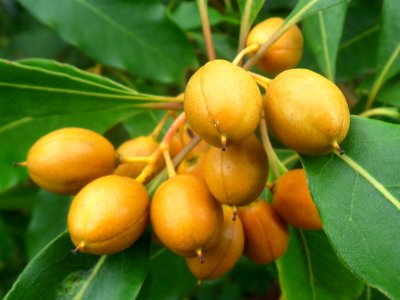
[{"x": 205, "y": 24}]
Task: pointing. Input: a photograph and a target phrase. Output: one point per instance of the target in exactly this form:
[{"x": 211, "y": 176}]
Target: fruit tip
[
  {"x": 20, "y": 164},
  {"x": 200, "y": 254},
  {"x": 78, "y": 248},
  {"x": 223, "y": 142},
  {"x": 198, "y": 283},
  {"x": 234, "y": 208},
  {"x": 338, "y": 148}
]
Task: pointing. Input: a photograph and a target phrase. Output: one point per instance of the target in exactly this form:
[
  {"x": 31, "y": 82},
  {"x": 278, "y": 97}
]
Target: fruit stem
[
  {"x": 251, "y": 48},
  {"x": 146, "y": 172},
  {"x": 261, "y": 80},
  {"x": 390, "y": 112},
  {"x": 160, "y": 125},
  {"x": 245, "y": 23},
  {"x": 133, "y": 159},
  {"x": 20, "y": 164},
  {"x": 205, "y": 24},
  {"x": 338, "y": 148},
  {"x": 168, "y": 160},
  {"x": 200, "y": 254},
  {"x": 81, "y": 246},
  {"x": 278, "y": 168}
]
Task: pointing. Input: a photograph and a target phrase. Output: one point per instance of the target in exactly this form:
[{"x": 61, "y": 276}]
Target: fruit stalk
[
  {"x": 157, "y": 154},
  {"x": 278, "y": 168},
  {"x": 205, "y": 24}
]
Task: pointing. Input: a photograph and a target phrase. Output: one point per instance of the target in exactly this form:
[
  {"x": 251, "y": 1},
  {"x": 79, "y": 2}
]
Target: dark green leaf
[
  {"x": 49, "y": 219},
  {"x": 168, "y": 278},
  {"x": 361, "y": 31},
  {"x": 323, "y": 31},
  {"x": 188, "y": 17},
  {"x": 56, "y": 273},
  {"x": 390, "y": 93},
  {"x": 306, "y": 8},
  {"x": 389, "y": 44},
  {"x": 133, "y": 35},
  {"x": 19, "y": 198},
  {"x": 389, "y": 48},
  {"x": 39, "y": 96},
  {"x": 357, "y": 195},
  {"x": 310, "y": 269}
]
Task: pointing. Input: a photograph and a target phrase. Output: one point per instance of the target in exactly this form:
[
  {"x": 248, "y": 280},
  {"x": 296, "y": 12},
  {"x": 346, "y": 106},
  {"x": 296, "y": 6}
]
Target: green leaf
[
  {"x": 187, "y": 16},
  {"x": 161, "y": 282},
  {"x": 19, "y": 198},
  {"x": 249, "y": 10},
  {"x": 310, "y": 269},
  {"x": 49, "y": 219},
  {"x": 306, "y": 8},
  {"x": 39, "y": 96},
  {"x": 390, "y": 93},
  {"x": 323, "y": 31},
  {"x": 56, "y": 273},
  {"x": 389, "y": 48},
  {"x": 134, "y": 35},
  {"x": 361, "y": 31},
  {"x": 357, "y": 195}
]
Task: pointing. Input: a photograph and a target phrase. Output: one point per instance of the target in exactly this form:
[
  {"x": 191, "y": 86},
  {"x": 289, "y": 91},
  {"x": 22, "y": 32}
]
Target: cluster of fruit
[{"x": 210, "y": 212}]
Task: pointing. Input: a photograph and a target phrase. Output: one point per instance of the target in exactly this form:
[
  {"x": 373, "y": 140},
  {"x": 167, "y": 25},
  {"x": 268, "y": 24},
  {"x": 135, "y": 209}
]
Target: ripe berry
[
  {"x": 292, "y": 200},
  {"x": 67, "y": 159},
  {"x": 238, "y": 175},
  {"x": 266, "y": 235},
  {"x": 139, "y": 146},
  {"x": 108, "y": 215},
  {"x": 307, "y": 112},
  {"x": 185, "y": 216},
  {"x": 223, "y": 256},
  {"x": 222, "y": 103},
  {"x": 285, "y": 53}
]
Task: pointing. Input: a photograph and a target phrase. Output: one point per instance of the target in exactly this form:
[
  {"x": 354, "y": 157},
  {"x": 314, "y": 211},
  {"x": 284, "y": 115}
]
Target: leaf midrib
[
  {"x": 118, "y": 26},
  {"x": 367, "y": 176}
]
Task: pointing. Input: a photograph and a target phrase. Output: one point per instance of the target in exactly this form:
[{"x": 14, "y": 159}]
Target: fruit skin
[
  {"x": 306, "y": 112},
  {"x": 185, "y": 216},
  {"x": 285, "y": 53},
  {"x": 222, "y": 99},
  {"x": 139, "y": 146},
  {"x": 266, "y": 234},
  {"x": 223, "y": 256},
  {"x": 67, "y": 159},
  {"x": 238, "y": 175},
  {"x": 292, "y": 200},
  {"x": 108, "y": 215}
]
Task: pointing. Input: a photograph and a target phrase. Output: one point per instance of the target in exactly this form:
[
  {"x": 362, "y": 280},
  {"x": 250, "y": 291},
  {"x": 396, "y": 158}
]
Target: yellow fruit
[
  {"x": 139, "y": 146},
  {"x": 108, "y": 215},
  {"x": 193, "y": 166},
  {"x": 266, "y": 235},
  {"x": 223, "y": 256},
  {"x": 222, "y": 101},
  {"x": 307, "y": 112},
  {"x": 67, "y": 159},
  {"x": 292, "y": 200},
  {"x": 238, "y": 175},
  {"x": 185, "y": 216},
  {"x": 285, "y": 53}
]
